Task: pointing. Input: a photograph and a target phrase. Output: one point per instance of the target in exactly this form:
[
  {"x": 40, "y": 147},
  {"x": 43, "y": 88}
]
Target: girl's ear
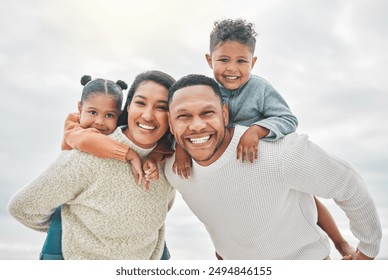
[{"x": 79, "y": 107}]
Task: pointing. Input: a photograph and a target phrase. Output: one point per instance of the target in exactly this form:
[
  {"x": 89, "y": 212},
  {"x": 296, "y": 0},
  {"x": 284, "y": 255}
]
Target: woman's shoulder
[{"x": 118, "y": 134}]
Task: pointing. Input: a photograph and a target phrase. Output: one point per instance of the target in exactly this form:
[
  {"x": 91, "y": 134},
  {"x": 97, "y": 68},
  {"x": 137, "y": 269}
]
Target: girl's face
[
  {"x": 99, "y": 111},
  {"x": 147, "y": 114}
]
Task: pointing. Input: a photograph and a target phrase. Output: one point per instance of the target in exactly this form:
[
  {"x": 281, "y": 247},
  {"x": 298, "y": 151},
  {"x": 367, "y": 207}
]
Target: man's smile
[{"x": 199, "y": 140}]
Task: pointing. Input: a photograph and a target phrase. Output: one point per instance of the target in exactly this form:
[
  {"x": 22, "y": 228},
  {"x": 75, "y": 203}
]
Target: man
[{"x": 264, "y": 209}]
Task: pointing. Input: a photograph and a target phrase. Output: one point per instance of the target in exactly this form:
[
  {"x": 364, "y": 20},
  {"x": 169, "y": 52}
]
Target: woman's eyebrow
[
  {"x": 140, "y": 96},
  {"x": 143, "y": 97}
]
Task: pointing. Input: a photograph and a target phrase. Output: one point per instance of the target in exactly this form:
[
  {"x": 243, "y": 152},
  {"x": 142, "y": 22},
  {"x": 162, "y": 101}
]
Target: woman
[{"x": 105, "y": 214}]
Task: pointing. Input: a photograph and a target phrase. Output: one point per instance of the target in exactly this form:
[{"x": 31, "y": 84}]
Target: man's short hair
[{"x": 194, "y": 80}]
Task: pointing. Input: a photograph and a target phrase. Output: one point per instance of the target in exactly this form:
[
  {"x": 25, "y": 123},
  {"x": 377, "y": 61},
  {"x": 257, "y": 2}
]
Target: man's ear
[
  {"x": 169, "y": 123},
  {"x": 79, "y": 107},
  {"x": 209, "y": 60},
  {"x": 225, "y": 113}
]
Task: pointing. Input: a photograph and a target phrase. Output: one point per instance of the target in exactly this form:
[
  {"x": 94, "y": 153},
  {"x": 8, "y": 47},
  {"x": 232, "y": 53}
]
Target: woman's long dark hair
[{"x": 155, "y": 76}]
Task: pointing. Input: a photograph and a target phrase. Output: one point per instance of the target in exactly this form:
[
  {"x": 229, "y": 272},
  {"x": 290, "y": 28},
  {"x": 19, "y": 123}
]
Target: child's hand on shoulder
[
  {"x": 135, "y": 163},
  {"x": 151, "y": 172},
  {"x": 247, "y": 148},
  {"x": 182, "y": 163}
]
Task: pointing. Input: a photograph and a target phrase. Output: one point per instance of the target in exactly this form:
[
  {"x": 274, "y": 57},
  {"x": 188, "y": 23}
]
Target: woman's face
[{"x": 147, "y": 114}]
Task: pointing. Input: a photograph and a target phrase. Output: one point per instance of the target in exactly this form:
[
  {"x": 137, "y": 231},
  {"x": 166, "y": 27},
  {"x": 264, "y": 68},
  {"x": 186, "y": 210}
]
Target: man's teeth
[
  {"x": 199, "y": 140},
  {"x": 146, "y": 126}
]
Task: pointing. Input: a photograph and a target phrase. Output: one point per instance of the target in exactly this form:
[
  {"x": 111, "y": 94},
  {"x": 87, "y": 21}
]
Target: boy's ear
[
  {"x": 79, "y": 107},
  {"x": 254, "y": 59},
  {"x": 209, "y": 60}
]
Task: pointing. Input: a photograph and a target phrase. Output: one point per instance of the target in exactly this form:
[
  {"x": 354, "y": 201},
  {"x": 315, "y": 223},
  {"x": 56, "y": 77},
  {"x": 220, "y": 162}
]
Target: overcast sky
[{"x": 327, "y": 58}]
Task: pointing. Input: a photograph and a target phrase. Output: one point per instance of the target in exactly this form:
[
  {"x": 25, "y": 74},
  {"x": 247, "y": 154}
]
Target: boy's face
[
  {"x": 232, "y": 63},
  {"x": 99, "y": 111},
  {"x": 198, "y": 122}
]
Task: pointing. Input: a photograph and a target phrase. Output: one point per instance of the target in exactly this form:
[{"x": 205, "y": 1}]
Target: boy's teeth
[
  {"x": 199, "y": 140},
  {"x": 231, "y": 78},
  {"x": 146, "y": 126}
]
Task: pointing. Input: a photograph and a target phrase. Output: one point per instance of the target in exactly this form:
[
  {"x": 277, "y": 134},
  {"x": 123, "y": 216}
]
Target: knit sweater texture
[
  {"x": 105, "y": 214},
  {"x": 266, "y": 210},
  {"x": 258, "y": 103}
]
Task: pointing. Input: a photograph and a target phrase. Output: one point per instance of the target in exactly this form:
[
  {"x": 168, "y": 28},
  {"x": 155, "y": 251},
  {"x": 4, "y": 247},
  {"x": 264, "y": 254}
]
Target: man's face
[
  {"x": 232, "y": 63},
  {"x": 198, "y": 121}
]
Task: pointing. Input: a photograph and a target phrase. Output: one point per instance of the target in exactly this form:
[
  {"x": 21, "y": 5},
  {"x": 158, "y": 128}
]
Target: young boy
[{"x": 252, "y": 102}]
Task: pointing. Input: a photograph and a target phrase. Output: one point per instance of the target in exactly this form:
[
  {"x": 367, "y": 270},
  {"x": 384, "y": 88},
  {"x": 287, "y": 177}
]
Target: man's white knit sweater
[
  {"x": 265, "y": 209},
  {"x": 105, "y": 215}
]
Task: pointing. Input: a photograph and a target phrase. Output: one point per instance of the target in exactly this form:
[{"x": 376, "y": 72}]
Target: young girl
[
  {"x": 104, "y": 216},
  {"x": 86, "y": 131},
  {"x": 80, "y": 135}
]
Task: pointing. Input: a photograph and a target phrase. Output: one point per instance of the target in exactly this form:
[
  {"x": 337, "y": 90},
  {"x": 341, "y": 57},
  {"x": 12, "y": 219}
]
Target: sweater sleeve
[
  {"x": 308, "y": 168},
  {"x": 91, "y": 141},
  {"x": 278, "y": 117},
  {"x": 61, "y": 182},
  {"x": 164, "y": 145}
]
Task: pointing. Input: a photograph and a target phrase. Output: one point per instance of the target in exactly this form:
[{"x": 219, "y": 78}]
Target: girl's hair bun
[
  {"x": 122, "y": 84},
  {"x": 85, "y": 79}
]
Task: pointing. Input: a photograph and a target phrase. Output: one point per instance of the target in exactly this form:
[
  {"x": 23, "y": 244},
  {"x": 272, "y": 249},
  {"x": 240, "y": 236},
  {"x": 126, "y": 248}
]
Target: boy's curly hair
[{"x": 233, "y": 30}]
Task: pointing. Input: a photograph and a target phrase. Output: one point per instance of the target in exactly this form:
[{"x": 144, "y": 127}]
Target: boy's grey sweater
[{"x": 258, "y": 103}]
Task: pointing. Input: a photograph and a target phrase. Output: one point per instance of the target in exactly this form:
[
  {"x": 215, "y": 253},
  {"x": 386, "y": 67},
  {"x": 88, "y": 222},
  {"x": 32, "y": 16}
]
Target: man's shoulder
[
  {"x": 295, "y": 138},
  {"x": 168, "y": 165},
  {"x": 295, "y": 145},
  {"x": 290, "y": 142}
]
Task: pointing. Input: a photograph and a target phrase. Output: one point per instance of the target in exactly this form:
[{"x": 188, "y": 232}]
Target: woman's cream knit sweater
[{"x": 105, "y": 214}]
